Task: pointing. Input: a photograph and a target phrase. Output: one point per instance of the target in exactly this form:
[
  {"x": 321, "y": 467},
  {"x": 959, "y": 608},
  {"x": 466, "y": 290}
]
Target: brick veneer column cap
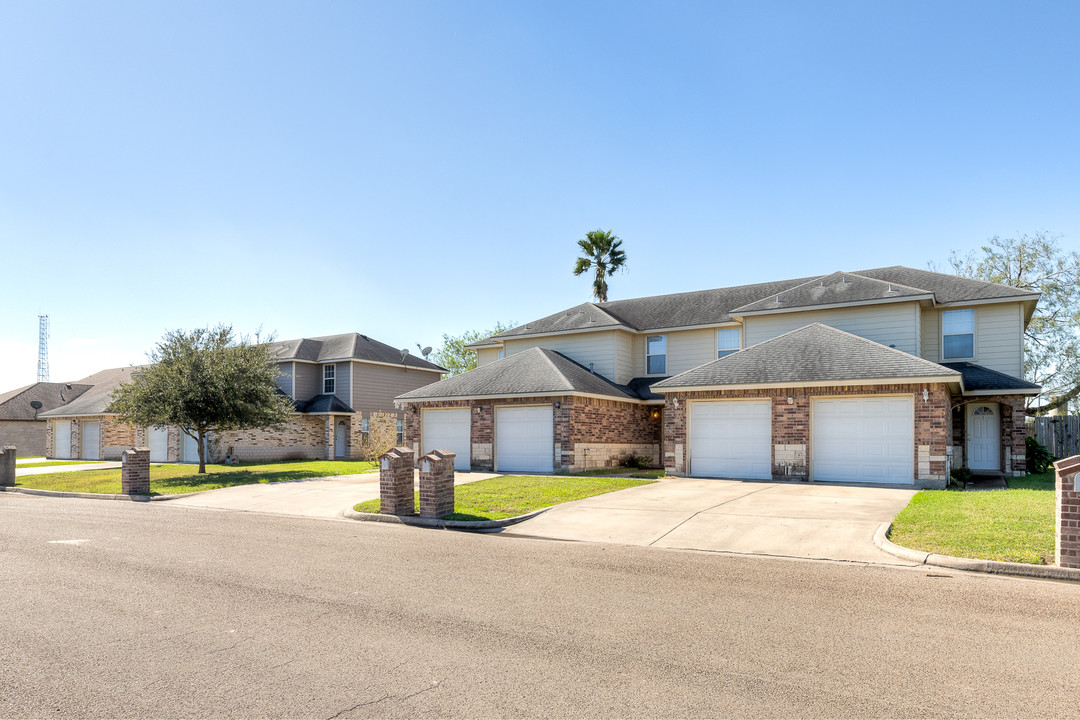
[
  {"x": 137, "y": 450},
  {"x": 1068, "y": 466},
  {"x": 436, "y": 455},
  {"x": 396, "y": 453}
]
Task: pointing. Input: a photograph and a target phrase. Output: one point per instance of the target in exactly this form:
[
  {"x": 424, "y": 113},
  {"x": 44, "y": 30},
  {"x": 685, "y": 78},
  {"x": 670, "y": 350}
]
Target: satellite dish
[
  {"x": 36, "y": 404},
  {"x": 423, "y": 351}
]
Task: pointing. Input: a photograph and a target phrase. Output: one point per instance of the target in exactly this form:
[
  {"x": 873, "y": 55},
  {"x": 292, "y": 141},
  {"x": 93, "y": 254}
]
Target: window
[
  {"x": 364, "y": 427},
  {"x": 400, "y": 432},
  {"x": 328, "y": 379},
  {"x": 656, "y": 354},
  {"x": 502, "y": 353},
  {"x": 958, "y": 334},
  {"x": 727, "y": 341}
]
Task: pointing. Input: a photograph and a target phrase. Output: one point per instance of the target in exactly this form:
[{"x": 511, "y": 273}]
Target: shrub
[
  {"x": 960, "y": 477},
  {"x": 381, "y": 435},
  {"x": 637, "y": 461},
  {"x": 1039, "y": 459}
]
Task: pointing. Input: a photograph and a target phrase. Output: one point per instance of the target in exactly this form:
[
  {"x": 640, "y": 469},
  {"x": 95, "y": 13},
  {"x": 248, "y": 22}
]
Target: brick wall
[
  {"x": 303, "y": 437},
  {"x": 1067, "y": 513},
  {"x": 116, "y": 437},
  {"x": 1013, "y": 455},
  {"x": 791, "y": 426},
  {"x": 26, "y": 435}
]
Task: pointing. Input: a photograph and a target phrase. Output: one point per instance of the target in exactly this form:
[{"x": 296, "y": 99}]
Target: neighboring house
[
  {"x": 890, "y": 375},
  {"x": 20, "y": 423},
  {"x": 336, "y": 383}
]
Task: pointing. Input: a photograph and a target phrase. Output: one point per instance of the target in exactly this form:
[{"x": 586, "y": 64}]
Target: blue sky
[{"x": 410, "y": 169}]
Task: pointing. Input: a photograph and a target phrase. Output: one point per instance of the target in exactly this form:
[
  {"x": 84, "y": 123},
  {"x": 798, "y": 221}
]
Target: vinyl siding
[
  {"x": 998, "y": 336},
  {"x": 487, "y": 355},
  {"x": 376, "y": 386},
  {"x": 341, "y": 381},
  {"x": 624, "y": 357},
  {"x": 597, "y": 348},
  {"x": 891, "y": 324},
  {"x": 931, "y": 335},
  {"x": 687, "y": 349},
  {"x": 308, "y": 381}
]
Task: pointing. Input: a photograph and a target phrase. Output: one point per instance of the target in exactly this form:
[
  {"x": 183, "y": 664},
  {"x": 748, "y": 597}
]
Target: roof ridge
[
  {"x": 544, "y": 353},
  {"x": 891, "y": 283},
  {"x": 952, "y": 275}
]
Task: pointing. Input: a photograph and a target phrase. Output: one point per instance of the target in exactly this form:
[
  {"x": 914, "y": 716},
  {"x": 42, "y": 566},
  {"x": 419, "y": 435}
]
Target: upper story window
[
  {"x": 656, "y": 354},
  {"x": 502, "y": 353},
  {"x": 958, "y": 334},
  {"x": 328, "y": 379},
  {"x": 727, "y": 341}
]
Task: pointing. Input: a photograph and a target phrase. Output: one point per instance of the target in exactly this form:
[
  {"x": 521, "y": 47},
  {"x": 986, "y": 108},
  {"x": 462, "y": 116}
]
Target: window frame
[
  {"x": 958, "y": 358},
  {"x": 502, "y": 353},
  {"x": 400, "y": 432},
  {"x": 649, "y": 356},
  {"x": 728, "y": 351},
  {"x": 329, "y": 376}
]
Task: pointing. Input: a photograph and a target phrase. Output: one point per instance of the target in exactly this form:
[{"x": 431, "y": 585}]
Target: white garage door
[
  {"x": 91, "y": 440},
  {"x": 448, "y": 430},
  {"x": 159, "y": 444},
  {"x": 62, "y": 430},
  {"x": 524, "y": 439},
  {"x": 189, "y": 448},
  {"x": 732, "y": 439},
  {"x": 863, "y": 440}
]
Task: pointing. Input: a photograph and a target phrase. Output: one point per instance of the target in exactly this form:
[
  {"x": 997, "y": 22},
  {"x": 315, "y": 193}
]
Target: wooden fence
[{"x": 1060, "y": 434}]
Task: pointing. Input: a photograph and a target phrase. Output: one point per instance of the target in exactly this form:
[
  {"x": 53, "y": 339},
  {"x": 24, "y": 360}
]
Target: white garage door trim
[
  {"x": 62, "y": 439},
  {"x": 731, "y": 438},
  {"x": 157, "y": 439},
  {"x": 448, "y": 429},
  {"x": 90, "y": 447},
  {"x": 863, "y": 439},
  {"x": 525, "y": 438}
]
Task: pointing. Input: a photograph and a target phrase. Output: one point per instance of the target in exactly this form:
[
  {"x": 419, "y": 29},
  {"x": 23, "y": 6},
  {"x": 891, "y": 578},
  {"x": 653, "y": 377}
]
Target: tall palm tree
[{"x": 601, "y": 251}]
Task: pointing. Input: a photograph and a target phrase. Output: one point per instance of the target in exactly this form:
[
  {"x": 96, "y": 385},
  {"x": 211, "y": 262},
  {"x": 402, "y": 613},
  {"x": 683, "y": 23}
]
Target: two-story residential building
[
  {"x": 890, "y": 375},
  {"x": 336, "y": 383}
]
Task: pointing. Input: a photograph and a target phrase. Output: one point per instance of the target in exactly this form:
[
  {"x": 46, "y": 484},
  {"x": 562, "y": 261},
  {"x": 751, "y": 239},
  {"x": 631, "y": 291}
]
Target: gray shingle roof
[
  {"x": 711, "y": 307},
  {"x": 813, "y": 353},
  {"x": 536, "y": 371},
  {"x": 15, "y": 404},
  {"x": 96, "y": 398},
  {"x": 322, "y": 404},
  {"x": 977, "y": 377},
  {"x": 838, "y": 288},
  {"x": 343, "y": 347}
]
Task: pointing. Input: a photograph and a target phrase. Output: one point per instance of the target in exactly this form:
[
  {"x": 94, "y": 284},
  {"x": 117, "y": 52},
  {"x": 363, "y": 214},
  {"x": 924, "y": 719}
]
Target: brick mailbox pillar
[
  {"x": 437, "y": 484},
  {"x": 7, "y": 465},
  {"x": 396, "y": 482},
  {"x": 1067, "y": 530},
  {"x": 135, "y": 473}
]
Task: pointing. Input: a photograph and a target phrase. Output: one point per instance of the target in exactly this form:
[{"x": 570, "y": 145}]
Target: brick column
[
  {"x": 135, "y": 473},
  {"x": 437, "y": 484},
  {"x": 396, "y": 482},
  {"x": 7, "y": 465},
  {"x": 1067, "y": 515}
]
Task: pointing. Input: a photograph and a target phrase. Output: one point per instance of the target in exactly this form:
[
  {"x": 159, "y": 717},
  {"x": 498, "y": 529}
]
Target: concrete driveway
[
  {"x": 317, "y": 497},
  {"x": 806, "y": 520}
]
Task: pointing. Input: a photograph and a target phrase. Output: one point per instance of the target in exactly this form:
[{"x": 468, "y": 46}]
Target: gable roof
[
  {"x": 536, "y": 372},
  {"x": 15, "y": 404},
  {"x": 979, "y": 379},
  {"x": 348, "y": 346},
  {"x": 712, "y": 307},
  {"x": 98, "y": 395},
  {"x": 812, "y": 354}
]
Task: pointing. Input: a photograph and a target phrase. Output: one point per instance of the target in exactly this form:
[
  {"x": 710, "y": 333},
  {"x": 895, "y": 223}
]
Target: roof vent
[
  {"x": 591, "y": 369},
  {"x": 843, "y": 279},
  {"x": 777, "y": 299},
  {"x": 590, "y": 318}
]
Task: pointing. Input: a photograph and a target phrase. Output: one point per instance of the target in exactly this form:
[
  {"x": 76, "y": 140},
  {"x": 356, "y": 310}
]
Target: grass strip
[{"x": 51, "y": 463}]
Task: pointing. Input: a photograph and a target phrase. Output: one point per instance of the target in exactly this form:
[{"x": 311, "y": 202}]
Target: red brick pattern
[
  {"x": 396, "y": 482},
  {"x": 1067, "y": 501},
  {"x": 135, "y": 473},
  {"x": 437, "y": 484}
]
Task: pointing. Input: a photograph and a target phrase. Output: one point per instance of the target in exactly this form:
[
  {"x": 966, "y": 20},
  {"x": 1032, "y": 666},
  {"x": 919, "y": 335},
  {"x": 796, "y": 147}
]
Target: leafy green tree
[
  {"x": 380, "y": 437},
  {"x": 455, "y": 357},
  {"x": 1051, "y": 343},
  {"x": 600, "y": 252},
  {"x": 204, "y": 380}
]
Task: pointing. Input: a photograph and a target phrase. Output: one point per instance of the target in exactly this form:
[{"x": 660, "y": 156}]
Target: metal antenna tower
[{"x": 43, "y": 349}]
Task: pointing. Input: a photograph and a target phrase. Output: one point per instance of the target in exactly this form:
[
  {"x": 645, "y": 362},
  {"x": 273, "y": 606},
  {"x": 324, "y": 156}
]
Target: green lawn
[
  {"x": 178, "y": 479},
  {"x": 503, "y": 497},
  {"x": 1014, "y": 525},
  {"x": 654, "y": 473},
  {"x": 50, "y": 463}
]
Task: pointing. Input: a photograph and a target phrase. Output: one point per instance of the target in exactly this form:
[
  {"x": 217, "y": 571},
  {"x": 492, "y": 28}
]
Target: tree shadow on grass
[{"x": 214, "y": 481}]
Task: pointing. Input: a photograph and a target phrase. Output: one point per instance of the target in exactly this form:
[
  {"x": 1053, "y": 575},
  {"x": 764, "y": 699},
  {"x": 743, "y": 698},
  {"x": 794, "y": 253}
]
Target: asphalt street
[{"x": 116, "y": 609}]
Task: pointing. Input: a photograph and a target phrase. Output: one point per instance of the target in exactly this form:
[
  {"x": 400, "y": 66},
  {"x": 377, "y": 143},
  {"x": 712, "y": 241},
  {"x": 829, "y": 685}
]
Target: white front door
[
  {"x": 731, "y": 438},
  {"x": 91, "y": 440},
  {"x": 984, "y": 436},
  {"x": 863, "y": 440},
  {"x": 448, "y": 429},
  {"x": 62, "y": 440},
  {"x": 158, "y": 440},
  {"x": 525, "y": 439},
  {"x": 339, "y": 439}
]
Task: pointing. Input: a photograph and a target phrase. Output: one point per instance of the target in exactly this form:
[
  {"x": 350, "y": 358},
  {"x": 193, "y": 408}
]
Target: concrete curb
[
  {"x": 93, "y": 496},
  {"x": 991, "y": 567},
  {"x": 436, "y": 523}
]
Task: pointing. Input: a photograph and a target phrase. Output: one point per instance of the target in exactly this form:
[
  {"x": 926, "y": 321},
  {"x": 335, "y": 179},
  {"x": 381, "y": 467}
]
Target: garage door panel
[
  {"x": 62, "y": 442},
  {"x": 863, "y": 440},
  {"x": 525, "y": 439},
  {"x": 158, "y": 440},
  {"x": 449, "y": 430},
  {"x": 731, "y": 439}
]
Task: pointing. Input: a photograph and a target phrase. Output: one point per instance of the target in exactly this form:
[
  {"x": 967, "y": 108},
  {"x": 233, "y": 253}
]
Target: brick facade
[
  {"x": 588, "y": 432},
  {"x": 303, "y": 437},
  {"x": 26, "y": 435},
  {"x": 135, "y": 472},
  {"x": 437, "y": 484},
  {"x": 1067, "y": 512},
  {"x": 791, "y": 432},
  {"x": 1012, "y": 461}
]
